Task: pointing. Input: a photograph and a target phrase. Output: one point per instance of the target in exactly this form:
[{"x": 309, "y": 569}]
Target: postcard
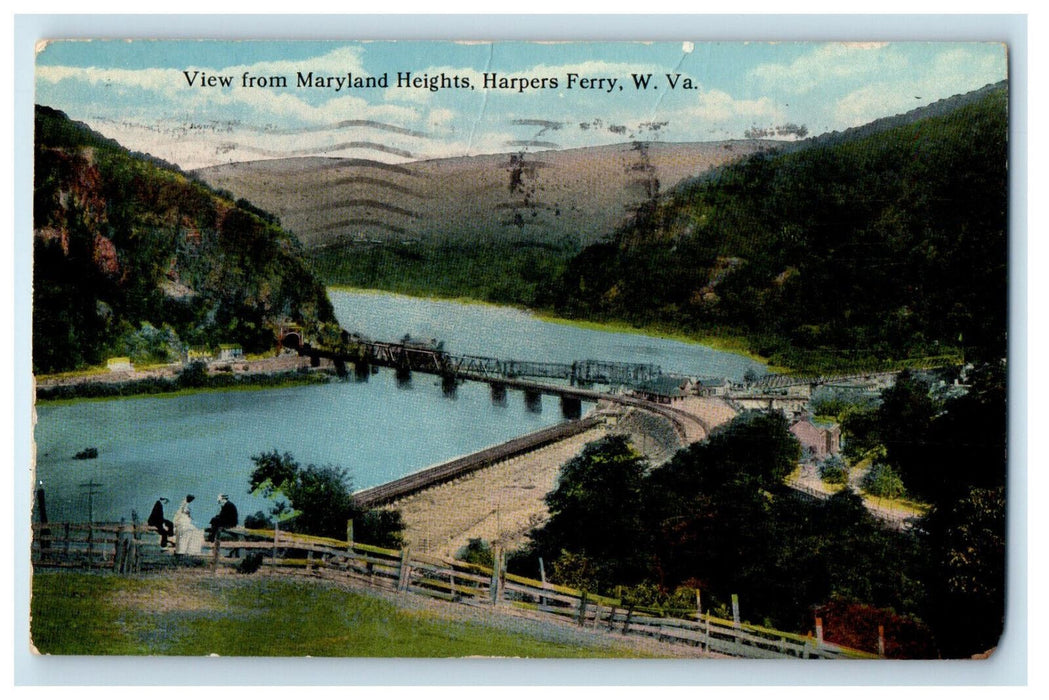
[{"x": 410, "y": 349}]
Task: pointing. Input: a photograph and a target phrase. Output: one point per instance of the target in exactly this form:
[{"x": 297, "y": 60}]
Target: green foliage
[
  {"x": 319, "y": 501},
  {"x": 576, "y": 570},
  {"x": 904, "y": 417},
  {"x": 967, "y": 571},
  {"x": 859, "y": 432},
  {"x": 191, "y": 382},
  {"x": 250, "y": 563},
  {"x": 92, "y": 614},
  {"x": 133, "y": 258},
  {"x": 382, "y": 528},
  {"x": 476, "y": 551},
  {"x": 855, "y": 252},
  {"x": 717, "y": 518},
  {"x": 193, "y": 376},
  {"x": 505, "y": 272},
  {"x": 150, "y": 345},
  {"x": 833, "y": 470},
  {"x": 882, "y": 480},
  {"x": 595, "y": 516},
  {"x": 258, "y": 521}
]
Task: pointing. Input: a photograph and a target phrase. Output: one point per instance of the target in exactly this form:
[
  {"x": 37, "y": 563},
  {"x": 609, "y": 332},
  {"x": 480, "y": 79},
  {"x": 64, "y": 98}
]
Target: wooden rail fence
[{"x": 133, "y": 548}]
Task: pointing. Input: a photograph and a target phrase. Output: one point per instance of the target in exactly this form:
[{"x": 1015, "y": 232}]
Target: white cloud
[
  {"x": 719, "y": 106},
  {"x": 829, "y": 63},
  {"x": 951, "y": 72}
]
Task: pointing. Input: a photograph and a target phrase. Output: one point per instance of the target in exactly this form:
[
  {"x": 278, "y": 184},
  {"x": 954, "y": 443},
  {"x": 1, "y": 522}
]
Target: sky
[{"x": 140, "y": 93}]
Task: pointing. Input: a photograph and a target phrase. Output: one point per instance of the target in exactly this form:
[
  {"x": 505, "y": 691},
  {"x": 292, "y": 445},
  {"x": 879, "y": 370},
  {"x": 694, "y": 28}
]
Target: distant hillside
[
  {"x": 853, "y": 249},
  {"x": 580, "y": 195},
  {"x": 939, "y": 108},
  {"x": 133, "y": 258}
]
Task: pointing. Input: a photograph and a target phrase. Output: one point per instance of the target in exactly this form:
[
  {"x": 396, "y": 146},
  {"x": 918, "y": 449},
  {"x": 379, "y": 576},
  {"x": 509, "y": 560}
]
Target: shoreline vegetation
[
  {"x": 96, "y": 388},
  {"x": 735, "y": 344},
  {"x": 722, "y": 341}
]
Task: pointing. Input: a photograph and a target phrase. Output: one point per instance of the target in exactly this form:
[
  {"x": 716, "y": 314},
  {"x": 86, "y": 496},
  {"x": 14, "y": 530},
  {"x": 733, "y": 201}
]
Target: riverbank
[
  {"x": 171, "y": 380},
  {"x": 732, "y": 343}
]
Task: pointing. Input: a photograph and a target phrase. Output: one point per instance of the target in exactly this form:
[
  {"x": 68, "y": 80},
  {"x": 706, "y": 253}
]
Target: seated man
[
  {"x": 158, "y": 522},
  {"x": 226, "y": 518}
]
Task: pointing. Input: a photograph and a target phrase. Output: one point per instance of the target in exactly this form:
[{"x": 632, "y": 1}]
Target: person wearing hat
[
  {"x": 158, "y": 522},
  {"x": 226, "y": 518}
]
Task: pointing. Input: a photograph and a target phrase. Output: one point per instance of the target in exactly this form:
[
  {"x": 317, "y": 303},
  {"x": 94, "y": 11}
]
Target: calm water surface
[{"x": 378, "y": 431}]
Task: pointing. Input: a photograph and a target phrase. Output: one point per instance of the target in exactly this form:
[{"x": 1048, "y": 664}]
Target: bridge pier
[
  {"x": 533, "y": 400},
  {"x": 315, "y": 360},
  {"x": 449, "y": 384},
  {"x": 498, "y": 394},
  {"x": 571, "y": 407},
  {"x": 340, "y": 368},
  {"x": 404, "y": 377},
  {"x": 361, "y": 371}
]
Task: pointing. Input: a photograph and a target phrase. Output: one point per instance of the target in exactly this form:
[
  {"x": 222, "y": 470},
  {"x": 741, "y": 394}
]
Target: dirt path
[{"x": 499, "y": 504}]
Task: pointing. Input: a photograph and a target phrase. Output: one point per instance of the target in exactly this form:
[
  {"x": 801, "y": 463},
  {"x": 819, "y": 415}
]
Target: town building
[
  {"x": 230, "y": 352},
  {"x": 818, "y": 441}
]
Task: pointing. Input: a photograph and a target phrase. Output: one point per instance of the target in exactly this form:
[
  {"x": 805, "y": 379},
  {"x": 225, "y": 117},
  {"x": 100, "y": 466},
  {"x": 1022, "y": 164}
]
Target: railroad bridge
[{"x": 572, "y": 382}]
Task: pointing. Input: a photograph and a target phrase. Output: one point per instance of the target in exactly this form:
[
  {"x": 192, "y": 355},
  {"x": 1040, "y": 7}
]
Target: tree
[
  {"x": 320, "y": 500},
  {"x": 966, "y": 578},
  {"x": 882, "y": 480},
  {"x": 904, "y": 419},
  {"x": 833, "y": 470},
  {"x": 595, "y": 513},
  {"x": 711, "y": 509}
]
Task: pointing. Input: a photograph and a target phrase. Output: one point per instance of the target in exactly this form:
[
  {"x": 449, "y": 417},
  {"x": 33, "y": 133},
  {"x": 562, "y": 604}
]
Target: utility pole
[{"x": 90, "y": 487}]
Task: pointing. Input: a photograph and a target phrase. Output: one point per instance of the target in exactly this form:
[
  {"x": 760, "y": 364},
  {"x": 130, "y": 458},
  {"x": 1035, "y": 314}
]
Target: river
[{"x": 377, "y": 430}]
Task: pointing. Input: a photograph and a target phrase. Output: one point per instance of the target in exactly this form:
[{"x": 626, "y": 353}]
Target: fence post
[
  {"x": 65, "y": 536},
  {"x": 497, "y": 558},
  {"x": 117, "y": 567},
  {"x": 90, "y": 543},
  {"x": 881, "y": 641},
  {"x": 626, "y": 622},
  {"x": 581, "y": 617},
  {"x": 276, "y": 535},
  {"x": 736, "y": 624},
  {"x": 611, "y": 617},
  {"x": 819, "y": 632},
  {"x": 135, "y": 567},
  {"x": 349, "y": 535},
  {"x": 215, "y": 549},
  {"x": 402, "y": 579},
  {"x": 542, "y": 577}
]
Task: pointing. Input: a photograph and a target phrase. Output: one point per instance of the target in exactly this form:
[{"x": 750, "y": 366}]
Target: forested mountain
[
  {"x": 877, "y": 247},
  {"x": 132, "y": 257}
]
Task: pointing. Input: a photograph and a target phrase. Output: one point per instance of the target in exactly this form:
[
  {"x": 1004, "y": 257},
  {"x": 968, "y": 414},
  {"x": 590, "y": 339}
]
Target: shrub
[
  {"x": 834, "y": 471},
  {"x": 258, "y": 521},
  {"x": 883, "y": 481},
  {"x": 250, "y": 564},
  {"x": 476, "y": 551}
]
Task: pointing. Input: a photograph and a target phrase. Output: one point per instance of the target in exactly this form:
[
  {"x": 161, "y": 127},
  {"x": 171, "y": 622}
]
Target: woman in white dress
[{"x": 189, "y": 539}]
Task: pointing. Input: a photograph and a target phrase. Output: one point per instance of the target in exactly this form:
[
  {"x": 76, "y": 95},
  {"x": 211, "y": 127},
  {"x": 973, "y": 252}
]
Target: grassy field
[{"x": 196, "y": 614}]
